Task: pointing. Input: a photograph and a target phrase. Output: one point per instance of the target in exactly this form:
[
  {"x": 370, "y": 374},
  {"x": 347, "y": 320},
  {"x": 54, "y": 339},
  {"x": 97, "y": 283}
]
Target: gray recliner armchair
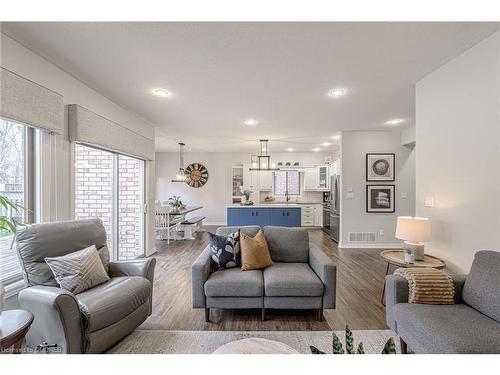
[
  {"x": 471, "y": 325},
  {"x": 91, "y": 321}
]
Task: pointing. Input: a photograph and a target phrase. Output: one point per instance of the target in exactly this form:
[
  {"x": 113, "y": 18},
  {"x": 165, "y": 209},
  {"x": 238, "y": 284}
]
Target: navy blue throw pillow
[{"x": 225, "y": 251}]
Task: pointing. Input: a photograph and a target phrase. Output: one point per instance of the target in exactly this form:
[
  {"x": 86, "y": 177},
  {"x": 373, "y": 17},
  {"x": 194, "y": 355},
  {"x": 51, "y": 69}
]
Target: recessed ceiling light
[
  {"x": 161, "y": 92},
  {"x": 316, "y": 149},
  {"x": 336, "y": 93},
  {"x": 251, "y": 122},
  {"x": 290, "y": 149},
  {"x": 325, "y": 144},
  {"x": 395, "y": 121},
  {"x": 336, "y": 137}
]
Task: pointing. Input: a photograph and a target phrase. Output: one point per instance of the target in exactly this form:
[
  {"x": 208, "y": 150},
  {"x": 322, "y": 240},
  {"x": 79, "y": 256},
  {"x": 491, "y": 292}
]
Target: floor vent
[{"x": 362, "y": 237}]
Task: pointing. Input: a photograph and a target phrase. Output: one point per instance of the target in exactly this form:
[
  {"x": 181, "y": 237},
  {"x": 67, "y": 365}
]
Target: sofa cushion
[
  {"x": 250, "y": 230},
  {"x": 234, "y": 282},
  {"x": 224, "y": 251},
  {"x": 291, "y": 279},
  {"x": 446, "y": 329},
  {"x": 481, "y": 286},
  {"x": 288, "y": 244},
  {"x": 112, "y": 301},
  {"x": 254, "y": 252}
]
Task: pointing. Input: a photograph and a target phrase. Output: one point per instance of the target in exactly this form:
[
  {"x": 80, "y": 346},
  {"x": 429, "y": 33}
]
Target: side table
[
  {"x": 14, "y": 325},
  {"x": 396, "y": 258}
]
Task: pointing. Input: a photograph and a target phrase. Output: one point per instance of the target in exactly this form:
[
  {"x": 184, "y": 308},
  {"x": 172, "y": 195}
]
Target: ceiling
[{"x": 221, "y": 74}]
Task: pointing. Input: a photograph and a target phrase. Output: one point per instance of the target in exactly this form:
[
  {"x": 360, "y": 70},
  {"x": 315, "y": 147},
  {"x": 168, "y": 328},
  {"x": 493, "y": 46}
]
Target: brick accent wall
[
  {"x": 94, "y": 196},
  {"x": 129, "y": 207}
]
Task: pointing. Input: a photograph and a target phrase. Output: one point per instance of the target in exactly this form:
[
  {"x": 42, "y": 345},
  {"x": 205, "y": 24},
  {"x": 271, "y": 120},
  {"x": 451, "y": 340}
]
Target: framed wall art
[
  {"x": 380, "y": 167},
  {"x": 380, "y": 198}
]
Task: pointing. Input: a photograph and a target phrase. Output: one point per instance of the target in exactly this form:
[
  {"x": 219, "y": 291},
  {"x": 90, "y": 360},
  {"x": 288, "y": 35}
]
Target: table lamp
[{"x": 414, "y": 231}]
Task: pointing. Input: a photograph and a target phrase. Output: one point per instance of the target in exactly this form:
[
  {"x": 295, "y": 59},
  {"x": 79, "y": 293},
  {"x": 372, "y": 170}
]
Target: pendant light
[
  {"x": 181, "y": 174},
  {"x": 262, "y": 162}
]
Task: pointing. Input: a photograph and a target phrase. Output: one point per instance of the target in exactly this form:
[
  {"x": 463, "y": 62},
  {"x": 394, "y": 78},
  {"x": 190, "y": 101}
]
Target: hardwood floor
[{"x": 360, "y": 275}]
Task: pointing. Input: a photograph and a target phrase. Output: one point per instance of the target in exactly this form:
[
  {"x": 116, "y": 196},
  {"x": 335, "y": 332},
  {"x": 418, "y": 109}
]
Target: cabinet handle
[
  {"x": 282, "y": 213},
  {"x": 288, "y": 213},
  {"x": 257, "y": 213},
  {"x": 252, "y": 213}
]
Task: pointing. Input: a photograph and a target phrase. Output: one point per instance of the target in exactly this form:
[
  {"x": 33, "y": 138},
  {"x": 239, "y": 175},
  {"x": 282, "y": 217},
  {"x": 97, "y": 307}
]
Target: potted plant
[
  {"x": 337, "y": 348},
  {"x": 175, "y": 202}
]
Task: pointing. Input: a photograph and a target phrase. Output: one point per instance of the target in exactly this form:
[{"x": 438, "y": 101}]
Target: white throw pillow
[{"x": 78, "y": 271}]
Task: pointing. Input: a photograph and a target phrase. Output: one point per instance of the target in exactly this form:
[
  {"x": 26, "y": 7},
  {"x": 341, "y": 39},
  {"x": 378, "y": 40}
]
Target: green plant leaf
[
  {"x": 349, "y": 340},
  {"x": 361, "y": 348},
  {"x": 390, "y": 347},
  {"x": 336, "y": 345},
  {"x": 315, "y": 350}
]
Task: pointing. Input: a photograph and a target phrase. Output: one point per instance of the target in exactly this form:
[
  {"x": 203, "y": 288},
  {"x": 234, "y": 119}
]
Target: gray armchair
[
  {"x": 91, "y": 321},
  {"x": 471, "y": 325},
  {"x": 300, "y": 277}
]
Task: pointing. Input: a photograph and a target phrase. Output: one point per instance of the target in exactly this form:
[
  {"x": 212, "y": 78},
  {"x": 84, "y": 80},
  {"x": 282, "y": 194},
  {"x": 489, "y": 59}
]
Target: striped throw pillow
[{"x": 78, "y": 271}]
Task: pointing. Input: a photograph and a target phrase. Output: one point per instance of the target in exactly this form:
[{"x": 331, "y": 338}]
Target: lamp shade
[{"x": 413, "y": 229}]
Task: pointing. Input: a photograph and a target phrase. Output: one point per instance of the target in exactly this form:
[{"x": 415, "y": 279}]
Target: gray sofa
[
  {"x": 471, "y": 325},
  {"x": 91, "y": 321},
  {"x": 300, "y": 278}
]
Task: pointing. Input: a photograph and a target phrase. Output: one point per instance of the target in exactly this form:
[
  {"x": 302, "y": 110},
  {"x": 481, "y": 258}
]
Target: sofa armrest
[
  {"x": 57, "y": 318},
  {"x": 397, "y": 291},
  {"x": 200, "y": 270},
  {"x": 144, "y": 267},
  {"x": 326, "y": 270}
]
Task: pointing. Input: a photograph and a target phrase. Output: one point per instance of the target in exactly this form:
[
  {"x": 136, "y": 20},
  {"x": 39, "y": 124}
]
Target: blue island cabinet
[{"x": 279, "y": 216}]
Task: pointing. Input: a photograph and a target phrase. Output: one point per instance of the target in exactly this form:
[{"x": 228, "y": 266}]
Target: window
[
  {"x": 286, "y": 183},
  {"x": 110, "y": 186},
  {"x": 16, "y": 183}
]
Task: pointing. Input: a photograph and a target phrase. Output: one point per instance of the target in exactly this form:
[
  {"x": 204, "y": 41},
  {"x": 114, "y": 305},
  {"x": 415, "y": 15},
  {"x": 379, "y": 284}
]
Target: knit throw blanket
[{"x": 428, "y": 285}]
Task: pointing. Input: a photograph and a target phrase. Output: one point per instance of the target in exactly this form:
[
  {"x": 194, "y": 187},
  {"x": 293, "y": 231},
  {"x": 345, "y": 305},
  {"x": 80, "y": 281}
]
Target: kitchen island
[{"x": 285, "y": 215}]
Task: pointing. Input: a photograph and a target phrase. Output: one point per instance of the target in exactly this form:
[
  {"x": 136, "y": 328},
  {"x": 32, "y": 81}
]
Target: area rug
[{"x": 205, "y": 342}]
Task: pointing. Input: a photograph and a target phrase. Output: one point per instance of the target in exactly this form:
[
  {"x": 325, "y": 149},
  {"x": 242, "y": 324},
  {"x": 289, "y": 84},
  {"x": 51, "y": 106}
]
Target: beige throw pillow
[
  {"x": 254, "y": 252},
  {"x": 78, "y": 271}
]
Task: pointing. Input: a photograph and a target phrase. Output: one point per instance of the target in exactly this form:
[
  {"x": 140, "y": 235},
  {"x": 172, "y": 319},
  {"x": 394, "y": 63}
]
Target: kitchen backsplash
[{"x": 306, "y": 196}]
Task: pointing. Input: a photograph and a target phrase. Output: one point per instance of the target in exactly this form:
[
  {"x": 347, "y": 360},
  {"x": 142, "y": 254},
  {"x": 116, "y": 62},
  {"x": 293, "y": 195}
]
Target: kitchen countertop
[{"x": 272, "y": 205}]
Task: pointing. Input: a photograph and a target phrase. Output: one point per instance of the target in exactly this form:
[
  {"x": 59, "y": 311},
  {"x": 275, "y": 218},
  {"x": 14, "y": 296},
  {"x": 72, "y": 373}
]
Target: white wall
[
  {"x": 27, "y": 64},
  {"x": 458, "y": 154},
  {"x": 354, "y": 218},
  {"x": 215, "y": 195}
]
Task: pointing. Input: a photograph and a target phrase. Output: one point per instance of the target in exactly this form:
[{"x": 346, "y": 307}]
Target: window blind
[
  {"x": 88, "y": 127},
  {"x": 29, "y": 103}
]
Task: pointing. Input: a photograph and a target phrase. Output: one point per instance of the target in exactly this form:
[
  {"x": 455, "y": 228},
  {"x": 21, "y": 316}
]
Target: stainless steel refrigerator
[{"x": 335, "y": 208}]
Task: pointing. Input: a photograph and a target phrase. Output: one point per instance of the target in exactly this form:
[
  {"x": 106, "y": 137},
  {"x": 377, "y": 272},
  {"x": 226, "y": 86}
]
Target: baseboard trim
[{"x": 378, "y": 245}]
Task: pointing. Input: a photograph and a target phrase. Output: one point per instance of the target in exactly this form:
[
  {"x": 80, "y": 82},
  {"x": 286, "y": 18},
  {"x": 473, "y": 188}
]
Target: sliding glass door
[{"x": 110, "y": 186}]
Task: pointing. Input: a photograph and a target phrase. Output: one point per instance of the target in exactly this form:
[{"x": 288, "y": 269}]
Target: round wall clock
[{"x": 197, "y": 175}]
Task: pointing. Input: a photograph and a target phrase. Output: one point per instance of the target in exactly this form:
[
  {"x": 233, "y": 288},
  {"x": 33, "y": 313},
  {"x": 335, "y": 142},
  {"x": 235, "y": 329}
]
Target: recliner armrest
[
  {"x": 57, "y": 318},
  {"x": 326, "y": 270},
  {"x": 144, "y": 267},
  {"x": 200, "y": 271},
  {"x": 137, "y": 267}
]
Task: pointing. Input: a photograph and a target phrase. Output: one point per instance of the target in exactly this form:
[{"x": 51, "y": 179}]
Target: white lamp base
[{"x": 417, "y": 248}]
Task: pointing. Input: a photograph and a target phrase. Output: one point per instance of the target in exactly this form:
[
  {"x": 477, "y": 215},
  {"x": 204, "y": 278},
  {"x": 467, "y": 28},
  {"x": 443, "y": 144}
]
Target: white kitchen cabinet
[
  {"x": 266, "y": 180},
  {"x": 317, "y": 178},
  {"x": 318, "y": 215},
  {"x": 311, "y": 178},
  {"x": 307, "y": 215},
  {"x": 251, "y": 179}
]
